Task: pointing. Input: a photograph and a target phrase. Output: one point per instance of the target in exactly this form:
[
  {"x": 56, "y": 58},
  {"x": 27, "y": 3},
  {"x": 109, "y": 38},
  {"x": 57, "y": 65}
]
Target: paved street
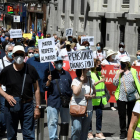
[{"x": 110, "y": 125}]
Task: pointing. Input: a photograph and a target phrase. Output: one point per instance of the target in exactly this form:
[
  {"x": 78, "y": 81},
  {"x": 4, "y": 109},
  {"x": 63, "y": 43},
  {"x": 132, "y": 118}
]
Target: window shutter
[
  {"x": 72, "y": 6},
  {"x": 82, "y": 6}
]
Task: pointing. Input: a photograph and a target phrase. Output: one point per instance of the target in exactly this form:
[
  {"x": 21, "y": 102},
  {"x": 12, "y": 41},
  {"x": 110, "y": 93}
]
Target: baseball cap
[
  {"x": 125, "y": 59},
  {"x": 81, "y": 48},
  {"x": 18, "y": 48}
]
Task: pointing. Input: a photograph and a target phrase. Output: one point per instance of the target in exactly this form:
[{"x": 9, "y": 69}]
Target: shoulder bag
[
  {"x": 17, "y": 106},
  {"x": 64, "y": 98},
  {"x": 79, "y": 110},
  {"x": 133, "y": 96}
]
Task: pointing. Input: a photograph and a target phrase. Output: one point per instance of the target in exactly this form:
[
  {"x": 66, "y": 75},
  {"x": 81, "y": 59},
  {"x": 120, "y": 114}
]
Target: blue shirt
[
  {"x": 64, "y": 81},
  {"x": 42, "y": 69}
]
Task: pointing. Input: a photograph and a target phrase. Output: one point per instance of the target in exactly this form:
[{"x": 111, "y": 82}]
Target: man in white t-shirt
[
  {"x": 121, "y": 52},
  {"x": 64, "y": 52},
  {"x": 4, "y": 62}
]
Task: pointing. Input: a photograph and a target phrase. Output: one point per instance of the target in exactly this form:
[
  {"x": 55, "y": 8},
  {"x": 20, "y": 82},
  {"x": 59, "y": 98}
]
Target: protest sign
[
  {"x": 81, "y": 59},
  {"x": 69, "y": 32},
  {"x": 15, "y": 33},
  {"x": 27, "y": 35},
  {"x": 90, "y": 39},
  {"x": 47, "y": 50}
]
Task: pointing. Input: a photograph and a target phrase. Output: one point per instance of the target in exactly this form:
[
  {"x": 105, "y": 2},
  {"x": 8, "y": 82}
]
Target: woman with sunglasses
[
  {"x": 137, "y": 62},
  {"x": 121, "y": 52}
]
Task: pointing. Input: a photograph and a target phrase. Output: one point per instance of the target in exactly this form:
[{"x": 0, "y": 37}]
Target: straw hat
[
  {"x": 81, "y": 48},
  {"x": 110, "y": 52}
]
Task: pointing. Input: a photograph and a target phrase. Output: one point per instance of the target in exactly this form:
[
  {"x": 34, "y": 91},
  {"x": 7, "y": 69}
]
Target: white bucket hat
[
  {"x": 125, "y": 59},
  {"x": 110, "y": 52}
]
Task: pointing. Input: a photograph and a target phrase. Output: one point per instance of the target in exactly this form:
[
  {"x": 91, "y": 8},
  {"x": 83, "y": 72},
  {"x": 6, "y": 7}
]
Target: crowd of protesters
[{"x": 24, "y": 80}]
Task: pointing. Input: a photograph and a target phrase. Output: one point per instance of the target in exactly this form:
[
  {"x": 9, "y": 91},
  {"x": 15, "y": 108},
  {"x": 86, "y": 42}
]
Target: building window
[
  {"x": 105, "y": 1},
  {"x": 126, "y": 1},
  {"x": 72, "y": 6},
  {"x": 64, "y": 3},
  {"x": 139, "y": 38},
  {"x": 122, "y": 33},
  {"x": 82, "y": 6}
]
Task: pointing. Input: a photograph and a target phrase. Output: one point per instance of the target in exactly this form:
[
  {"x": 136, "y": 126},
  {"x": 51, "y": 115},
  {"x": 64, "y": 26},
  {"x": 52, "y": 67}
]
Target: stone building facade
[{"x": 109, "y": 21}]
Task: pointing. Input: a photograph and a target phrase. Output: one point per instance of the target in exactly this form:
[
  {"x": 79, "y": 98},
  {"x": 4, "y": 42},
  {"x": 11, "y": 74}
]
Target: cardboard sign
[
  {"x": 69, "y": 32},
  {"x": 81, "y": 59},
  {"x": 47, "y": 50},
  {"x": 90, "y": 39},
  {"x": 27, "y": 35},
  {"x": 15, "y": 33}
]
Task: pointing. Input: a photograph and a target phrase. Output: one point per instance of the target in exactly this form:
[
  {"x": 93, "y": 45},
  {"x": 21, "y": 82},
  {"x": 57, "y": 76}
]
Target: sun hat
[
  {"x": 18, "y": 48},
  {"x": 67, "y": 43},
  {"x": 110, "y": 52},
  {"x": 81, "y": 48},
  {"x": 125, "y": 59}
]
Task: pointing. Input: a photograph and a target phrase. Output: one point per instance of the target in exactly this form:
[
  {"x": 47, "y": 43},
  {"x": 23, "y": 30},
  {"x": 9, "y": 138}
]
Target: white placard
[
  {"x": 16, "y": 18},
  {"x": 81, "y": 59},
  {"x": 47, "y": 50},
  {"x": 15, "y": 33},
  {"x": 69, "y": 32},
  {"x": 90, "y": 39}
]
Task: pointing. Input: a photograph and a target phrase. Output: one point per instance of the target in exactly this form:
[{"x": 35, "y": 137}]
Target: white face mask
[
  {"x": 19, "y": 59},
  {"x": 31, "y": 55},
  {"x": 121, "y": 49}
]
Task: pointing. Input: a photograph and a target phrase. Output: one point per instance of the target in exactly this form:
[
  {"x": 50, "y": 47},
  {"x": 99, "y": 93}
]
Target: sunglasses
[
  {"x": 59, "y": 62},
  {"x": 138, "y": 54},
  {"x": 121, "y": 46},
  {"x": 31, "y": 53},
  {"x": 18, "y": 54}
]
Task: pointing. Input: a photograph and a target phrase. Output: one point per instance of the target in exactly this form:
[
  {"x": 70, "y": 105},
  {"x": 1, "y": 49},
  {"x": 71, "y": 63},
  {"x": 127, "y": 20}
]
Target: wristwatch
[{"x": 38, "y": 106}]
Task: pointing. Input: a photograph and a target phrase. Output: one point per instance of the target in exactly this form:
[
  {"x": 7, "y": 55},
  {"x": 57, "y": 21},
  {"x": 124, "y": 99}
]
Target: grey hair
[
  {"x": 7, "y": 46},
  {"x": 30, "y": 48}
]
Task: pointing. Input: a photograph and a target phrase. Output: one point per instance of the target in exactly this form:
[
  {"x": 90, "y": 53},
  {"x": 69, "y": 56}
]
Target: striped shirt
[{"x": 129, "y": 83}]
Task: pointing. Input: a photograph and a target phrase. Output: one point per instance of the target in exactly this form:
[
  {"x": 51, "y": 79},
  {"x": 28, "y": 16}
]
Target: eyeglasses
[
  {"x": 18, "y": 54},
  {"x": 36, "y": 51},
  {"x": 138, "y": 54}
]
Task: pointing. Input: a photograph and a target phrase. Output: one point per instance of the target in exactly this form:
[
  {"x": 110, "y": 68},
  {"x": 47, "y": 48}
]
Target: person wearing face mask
[
  {"x": 100, "y": 53},
  {"x": 4, "y": 62},
  {"x": 58, "y": 86},
  {"x": 30, "y": 53},
  {"x": 100, "y": 100},
  {"x": 126, "y": 80},
  {"x": 121, "y": 52},
  {"x": 83, "y": 92},
  {"x": 110, "y": 61},
  {"x": 3, "y": 37},
  {"x": 86, "y": 44},
  {"x": 13, "y": 77},
  {"x": 64, "y": 52},
  {"x": 42, "y": 69},
  {"x": 137, "y": 62}
]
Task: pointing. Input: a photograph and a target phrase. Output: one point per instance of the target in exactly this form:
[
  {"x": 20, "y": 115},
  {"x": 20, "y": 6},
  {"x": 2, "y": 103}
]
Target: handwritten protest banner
[
  {"x": 47, "y": 50},
  {"x": 15, "y": 33},
  {"x": 90, "y": 39},
  {"x": 81, "y": 59},
  {"x": 27, "y": 35},
  {"x": 69, "y": 32}
]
